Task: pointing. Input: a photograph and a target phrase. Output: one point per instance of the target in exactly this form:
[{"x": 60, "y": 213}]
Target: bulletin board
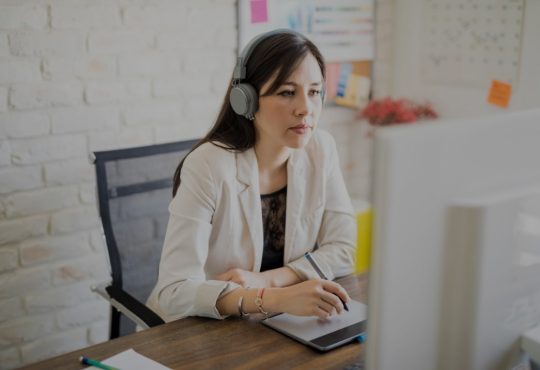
[
  {"x": 342, "y": 29},
  {"x": 470, "y": 42}
]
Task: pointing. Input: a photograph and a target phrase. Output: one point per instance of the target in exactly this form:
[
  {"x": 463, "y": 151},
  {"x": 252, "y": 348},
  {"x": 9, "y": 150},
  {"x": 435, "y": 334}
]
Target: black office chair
[{"x": 134, "y": 190}]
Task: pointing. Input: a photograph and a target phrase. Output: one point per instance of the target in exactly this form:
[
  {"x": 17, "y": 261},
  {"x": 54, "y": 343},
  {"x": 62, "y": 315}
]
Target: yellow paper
[
  {"x": 363, "y": 242},
  {"x": 364, "y": 215},
  {"x": 350, "y": 98}
]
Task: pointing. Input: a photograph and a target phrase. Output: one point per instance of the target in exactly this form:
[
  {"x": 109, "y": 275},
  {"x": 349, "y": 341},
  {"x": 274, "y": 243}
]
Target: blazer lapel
[
  {"x": 296, "y": 187},
  {"x": 250, "y": 201}
]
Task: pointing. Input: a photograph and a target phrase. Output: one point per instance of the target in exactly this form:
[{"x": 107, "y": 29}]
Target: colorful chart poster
[{"x": 342, "y": 29}]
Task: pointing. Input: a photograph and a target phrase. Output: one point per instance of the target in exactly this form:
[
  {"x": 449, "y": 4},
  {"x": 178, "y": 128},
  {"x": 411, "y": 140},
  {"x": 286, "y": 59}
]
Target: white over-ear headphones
[{"x": 244, "y": 98}]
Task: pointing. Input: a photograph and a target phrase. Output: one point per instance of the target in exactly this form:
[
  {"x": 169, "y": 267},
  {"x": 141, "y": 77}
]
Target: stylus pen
[
  {"x": 322, "y": 275},
  {"x": 95, "y": 363}
]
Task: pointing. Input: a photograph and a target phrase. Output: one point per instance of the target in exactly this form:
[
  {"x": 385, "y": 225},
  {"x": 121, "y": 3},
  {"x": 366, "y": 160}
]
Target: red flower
[{"x": 387, "y": 111}]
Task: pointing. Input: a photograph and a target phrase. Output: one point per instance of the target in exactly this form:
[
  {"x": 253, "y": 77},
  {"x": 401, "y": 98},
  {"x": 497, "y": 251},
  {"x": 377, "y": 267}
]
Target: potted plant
[{"x": 388, "y": 111}]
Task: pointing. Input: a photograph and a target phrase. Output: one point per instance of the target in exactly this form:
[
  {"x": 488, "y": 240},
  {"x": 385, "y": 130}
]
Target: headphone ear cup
[{"x": 244, "y": 100}]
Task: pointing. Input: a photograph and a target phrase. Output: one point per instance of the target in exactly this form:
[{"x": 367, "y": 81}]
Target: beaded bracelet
[
  {"x": 241, "y": 313},
  {"x": 259, "y": 302}
]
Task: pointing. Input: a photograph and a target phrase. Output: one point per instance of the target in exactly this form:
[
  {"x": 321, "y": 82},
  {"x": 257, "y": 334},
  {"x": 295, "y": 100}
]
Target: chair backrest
[{"x": 134, "y": 191}]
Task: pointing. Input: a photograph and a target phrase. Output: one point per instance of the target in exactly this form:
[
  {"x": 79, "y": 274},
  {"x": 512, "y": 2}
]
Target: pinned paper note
[
  {"x": 132, "y": 360},
  {"x": 332, "y": 80},
  {"x": 353, "y": 84},
  {"x": 353, "y": 90},
  {"x": 500, "y": 93},
  {"x": 259, "y": 11}
]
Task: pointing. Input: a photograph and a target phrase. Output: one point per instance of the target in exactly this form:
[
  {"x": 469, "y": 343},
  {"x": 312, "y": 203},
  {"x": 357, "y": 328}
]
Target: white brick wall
[
  {"x": 10, "y": 308},
  {"x": 20, "y": 178},
  {"x": 4, "y": 46},
  {"x": 20, "y": 69},
  {"x": 22, "y": 228},
  {"x": 17, "y": 125},
  {"x": 119, "y": 43},
  {"x": 69, "y": 220},
  {"x": 52, "y": 345},
  {"x": 78, "y": 76},
  {"x": 84, "y": 119},
  {"x": 69, "y": 171},
  {"x": 97, "y": 15},
  {"x": 47, "y": 148},
  {"x": 32, "y": 202},
  {"x": 23, "y": 281},
  {"x": 47, "y": 42},
  {"x": 26, "y": 329},
  {"x": 3, "y": 98},
  {"x": 49, "y": 249},
  {"x": 85, "y": 67},
  {"x": 5, "y": 152},
  {"x": 23, "y": 16},
  {"x": 8, "y": 259},
  {"x": 44, "y": 95}
]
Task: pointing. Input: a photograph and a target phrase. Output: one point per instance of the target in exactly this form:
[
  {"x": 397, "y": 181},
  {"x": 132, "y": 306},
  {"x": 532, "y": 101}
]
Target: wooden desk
[{"x": 200, "y": 343}]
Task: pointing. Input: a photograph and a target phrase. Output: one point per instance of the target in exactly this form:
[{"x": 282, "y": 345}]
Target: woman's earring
[{"x": 251, "y": 118}]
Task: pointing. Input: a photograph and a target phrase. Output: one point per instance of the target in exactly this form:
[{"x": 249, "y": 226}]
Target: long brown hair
[{"x": 278, "y": 55}]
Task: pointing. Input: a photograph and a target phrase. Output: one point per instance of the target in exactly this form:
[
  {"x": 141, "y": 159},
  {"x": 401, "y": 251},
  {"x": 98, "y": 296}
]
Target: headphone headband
[
  {"x": 239, "y": 72},
  {"x": 243, "y": 97}
]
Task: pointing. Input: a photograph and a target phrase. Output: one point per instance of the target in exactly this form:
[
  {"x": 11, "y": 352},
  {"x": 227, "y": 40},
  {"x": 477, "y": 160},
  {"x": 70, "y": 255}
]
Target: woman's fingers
[
  {"x": 314, "y": 297},
  {"x": 231, "y": 275},
  {"x": 336, "y": 289},
  {"x": 321, "y": 314},
  {"x": 332, "y": 300},
  {"x": 327, "y": 307},
  {"x": 244, "y": 278},
  {"x": 333, "y": 295}
]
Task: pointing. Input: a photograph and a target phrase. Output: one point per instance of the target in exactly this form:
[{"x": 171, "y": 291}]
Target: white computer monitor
[{"x": 455, "y": 273}]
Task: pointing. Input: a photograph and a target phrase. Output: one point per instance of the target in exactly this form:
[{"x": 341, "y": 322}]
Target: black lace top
[{"x": 274, "y": 208}]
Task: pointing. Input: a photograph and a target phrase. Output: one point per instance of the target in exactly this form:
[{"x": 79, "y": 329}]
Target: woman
[{"x": 259, "y": 191}]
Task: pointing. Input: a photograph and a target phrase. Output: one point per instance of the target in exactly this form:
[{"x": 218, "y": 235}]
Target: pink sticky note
[
  {"x": 333, "y": 71},
  {"x": 259, "y": 11}
]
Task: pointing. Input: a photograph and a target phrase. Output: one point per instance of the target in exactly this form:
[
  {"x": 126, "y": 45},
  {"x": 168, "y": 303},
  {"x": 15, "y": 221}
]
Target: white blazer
[{"x": 216, "y": 224}]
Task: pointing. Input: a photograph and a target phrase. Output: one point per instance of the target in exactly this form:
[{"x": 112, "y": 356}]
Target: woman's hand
[
  {"x": 246, "y": 279},
  {"x": 310, "y": 298}
]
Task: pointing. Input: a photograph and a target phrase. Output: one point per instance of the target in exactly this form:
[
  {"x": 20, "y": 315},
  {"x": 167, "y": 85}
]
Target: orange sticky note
[{"x": 500, "y": 93}]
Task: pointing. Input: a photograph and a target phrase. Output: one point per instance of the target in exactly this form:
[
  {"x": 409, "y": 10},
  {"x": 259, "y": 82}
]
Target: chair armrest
[{"x": 128, "y": 305}]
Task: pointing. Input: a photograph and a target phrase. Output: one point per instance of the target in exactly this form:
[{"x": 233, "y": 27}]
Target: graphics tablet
[{"x": 323, "y": 334}]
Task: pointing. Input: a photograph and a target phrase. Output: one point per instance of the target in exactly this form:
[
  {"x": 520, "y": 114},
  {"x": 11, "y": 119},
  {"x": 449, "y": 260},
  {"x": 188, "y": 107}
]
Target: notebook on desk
[{"x": 323, "y": 334}]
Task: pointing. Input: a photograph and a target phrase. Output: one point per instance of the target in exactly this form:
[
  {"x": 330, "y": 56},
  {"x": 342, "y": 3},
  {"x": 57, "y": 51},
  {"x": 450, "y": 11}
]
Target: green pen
[{"x": 95, "y": 363}]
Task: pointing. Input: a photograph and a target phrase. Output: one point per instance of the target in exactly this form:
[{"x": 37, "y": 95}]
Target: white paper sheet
[{"x": 131, "y": 360}]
